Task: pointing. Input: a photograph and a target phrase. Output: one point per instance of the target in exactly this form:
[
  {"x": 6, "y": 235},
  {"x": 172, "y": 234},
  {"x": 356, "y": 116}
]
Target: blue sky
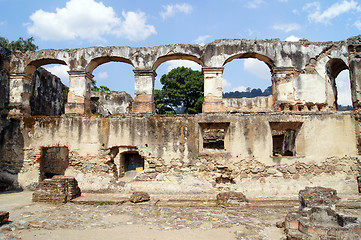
[{"x": 84, "y": 23}]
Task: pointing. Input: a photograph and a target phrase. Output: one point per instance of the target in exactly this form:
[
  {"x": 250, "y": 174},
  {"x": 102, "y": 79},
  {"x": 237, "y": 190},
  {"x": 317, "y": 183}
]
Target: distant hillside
[{"x": 249, "y": 93}]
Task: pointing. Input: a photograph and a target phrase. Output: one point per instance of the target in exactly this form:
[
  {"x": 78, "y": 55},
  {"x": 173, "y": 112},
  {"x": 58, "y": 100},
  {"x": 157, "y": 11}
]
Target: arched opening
[
  {"x": 339, "y": 77},
  {"x": 53, "y": 161},
  {"x": 125, "y": 162},
  {"x": 49, "y": 87},
  {"x": 247, "y": 83},
  {"x": 112, "y": 85},
  {"x": 179, "y": 85}
]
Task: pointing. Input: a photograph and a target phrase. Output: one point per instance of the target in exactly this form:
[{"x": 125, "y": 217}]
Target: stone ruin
[
  {"x": 111, "y": 142},
  {"x": 318, "y": 219},
  {"x": 58, "y": 189}
]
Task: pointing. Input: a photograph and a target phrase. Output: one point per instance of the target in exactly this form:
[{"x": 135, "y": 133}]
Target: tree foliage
[
  {"x": 182, "y": 92},
  {"x": 19, "y": 45},
  {"x": 249, "y": 93},
  {"x": 95, "y": 88}
]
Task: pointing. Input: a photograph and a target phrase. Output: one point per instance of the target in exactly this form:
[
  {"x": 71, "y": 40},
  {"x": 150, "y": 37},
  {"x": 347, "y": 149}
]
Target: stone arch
[
  {"x": 166, "y": 58},
  {"x": 268, "y": 61},
  {"x": 334, "y": 67},
  {"x": 35, "y": 64},
  {"x": 95, "y": 62}
]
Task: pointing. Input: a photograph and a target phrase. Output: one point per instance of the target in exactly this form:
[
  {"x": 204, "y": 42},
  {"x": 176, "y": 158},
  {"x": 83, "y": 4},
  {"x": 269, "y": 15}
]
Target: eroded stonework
[{"x": 266, "y": 147}]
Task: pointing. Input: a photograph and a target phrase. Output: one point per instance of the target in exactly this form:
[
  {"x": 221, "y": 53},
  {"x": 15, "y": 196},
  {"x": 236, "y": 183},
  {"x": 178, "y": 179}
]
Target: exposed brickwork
[{"x": 59, "y": 189}]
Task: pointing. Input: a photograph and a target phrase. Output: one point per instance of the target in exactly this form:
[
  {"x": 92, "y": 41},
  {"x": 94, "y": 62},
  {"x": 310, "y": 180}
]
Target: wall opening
[
  {"x": 53, "y": 161},
  {"x": 284, "y": 136},
  {"x": 339, "y": 76},
  {"x": 49, "y": 90},
  {"x": 132, "y": 162},
  {"x": 125, "y": 161},
  {"x": 247, "y": 84},
  {"x": 184, "y": 96},
  {"x": 214, "y": 136},
  {"x": 112, "y": 87}
]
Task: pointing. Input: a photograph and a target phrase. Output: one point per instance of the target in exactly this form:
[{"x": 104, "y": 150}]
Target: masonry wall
[
  {"x": 49, "y": 95},
  {"x": 176, "y": 161}
]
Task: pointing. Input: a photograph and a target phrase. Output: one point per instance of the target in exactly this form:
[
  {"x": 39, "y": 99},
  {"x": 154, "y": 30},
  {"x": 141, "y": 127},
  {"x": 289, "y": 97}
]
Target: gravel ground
[{"x": 140, "y": 221}]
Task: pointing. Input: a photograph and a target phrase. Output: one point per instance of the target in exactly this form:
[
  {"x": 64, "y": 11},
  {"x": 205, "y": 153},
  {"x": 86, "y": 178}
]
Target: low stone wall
[{"x": 256, "y": 104}]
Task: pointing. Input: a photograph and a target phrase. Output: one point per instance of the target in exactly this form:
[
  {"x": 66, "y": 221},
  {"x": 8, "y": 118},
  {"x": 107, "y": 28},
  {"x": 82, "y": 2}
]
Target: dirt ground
[{"x": 152, "y": 220}]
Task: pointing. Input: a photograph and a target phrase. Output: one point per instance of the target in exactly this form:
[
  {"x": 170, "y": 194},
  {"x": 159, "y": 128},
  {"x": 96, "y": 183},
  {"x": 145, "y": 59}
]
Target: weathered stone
[
  {"x": 137, "y": 197},
  {"x": 4, "y": 217},
  {"x": 317, "y": 197},
  {"x": 231, "y": 198},
  {"x": 59, "y": 189}
]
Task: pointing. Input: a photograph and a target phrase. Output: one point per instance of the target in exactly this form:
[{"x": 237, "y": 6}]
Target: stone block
[
  {"x": 231, "y": 198},
  {"x": 4, "y": 217},
  {"x": 317, "y": 197},
  {"x": 137, "y": 197}
]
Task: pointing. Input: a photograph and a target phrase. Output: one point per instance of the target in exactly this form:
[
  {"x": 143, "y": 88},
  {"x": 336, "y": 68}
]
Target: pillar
[
  {"x": 213, "y": 95},
  {"x": 283, "y": 85},
  {"x": 20, "y": 93},
  {"x": 144, "y": 91},
  {"x": 79, "y": 93},
  {"x": 354, "y": 56}
]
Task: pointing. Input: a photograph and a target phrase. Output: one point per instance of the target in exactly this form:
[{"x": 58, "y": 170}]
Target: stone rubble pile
[{"x": 317, "y": 218}]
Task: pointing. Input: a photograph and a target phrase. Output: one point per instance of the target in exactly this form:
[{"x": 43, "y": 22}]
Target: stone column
[
  {"x": 20, "y": 93},
  {"x": 213, "y": 96},
  {"x": 79, "y": 93},
  {"x": 354, "y": 62},
  {"x": 144, "y": 91},
  {"x": 282, "y": 85}
]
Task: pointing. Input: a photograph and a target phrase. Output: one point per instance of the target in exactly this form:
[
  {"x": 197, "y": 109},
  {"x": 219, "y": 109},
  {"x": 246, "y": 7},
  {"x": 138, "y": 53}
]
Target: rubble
[
  {"x": 317, "y": 218},
  {"x": 4, "y": 217},
  {"x": 138, "y": 197}
]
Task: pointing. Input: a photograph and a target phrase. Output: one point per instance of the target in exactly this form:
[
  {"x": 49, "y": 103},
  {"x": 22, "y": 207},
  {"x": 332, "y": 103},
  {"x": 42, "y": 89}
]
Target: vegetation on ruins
[
  {"x": 19, "y": 45},
  {"x": 182, "y": 92},
  {"x": 95, "y": 88}
]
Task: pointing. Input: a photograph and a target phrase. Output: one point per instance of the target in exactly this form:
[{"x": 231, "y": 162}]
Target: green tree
[
  {"x": 19, "y": 45},
  {"x": 95, "y": 88},
  {"x": 182, "y": 92}
]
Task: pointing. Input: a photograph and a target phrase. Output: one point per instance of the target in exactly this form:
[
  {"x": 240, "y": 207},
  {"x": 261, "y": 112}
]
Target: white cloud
[
  {"x": 185, "y": 63},
  {"x": 201, "y": 39},
  {"x": 171, "y": 10},
  {"x": 226, "y": 85},
  {"x": 283, "y": 0},
  {"x": 335, "y": 10},
  {"x": 102, "y": 75},
  {"x": 134, "y": 27},
  {"x": 287, "y": 27},
  {"x": 61, "y": 71},
  {"x": 87, "y": 19},
  {"x": 255, "y": 3},
  {"x": 343, "y": 89},
  {"x": 296, "y": 12},
  {"x": 257, "y": 68},
  {"x": 239, "y": 89},
  {"x": 292, "y": 39},
  {"x": 2, "y": 23},
  {"x": 358, "y": 25}
]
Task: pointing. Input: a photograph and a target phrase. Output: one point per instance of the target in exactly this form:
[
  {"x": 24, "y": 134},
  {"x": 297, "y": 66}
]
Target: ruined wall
[
  {"x": 176, "y": 159},
  {"x": 11, "y": 141},
  {"x": 49, "y": 95},
  {"x": 111, "y": 102}
]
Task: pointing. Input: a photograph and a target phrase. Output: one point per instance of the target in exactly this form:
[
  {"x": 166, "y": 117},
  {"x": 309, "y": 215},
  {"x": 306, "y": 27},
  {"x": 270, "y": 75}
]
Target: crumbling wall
[
  {"x": 176, "y": 161},
  {"x": 11, "y": 140},
  {"x": 111, "y": 102},
  {"x": 256, "y": 104},
  {"x": 49, "y": 94}
]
